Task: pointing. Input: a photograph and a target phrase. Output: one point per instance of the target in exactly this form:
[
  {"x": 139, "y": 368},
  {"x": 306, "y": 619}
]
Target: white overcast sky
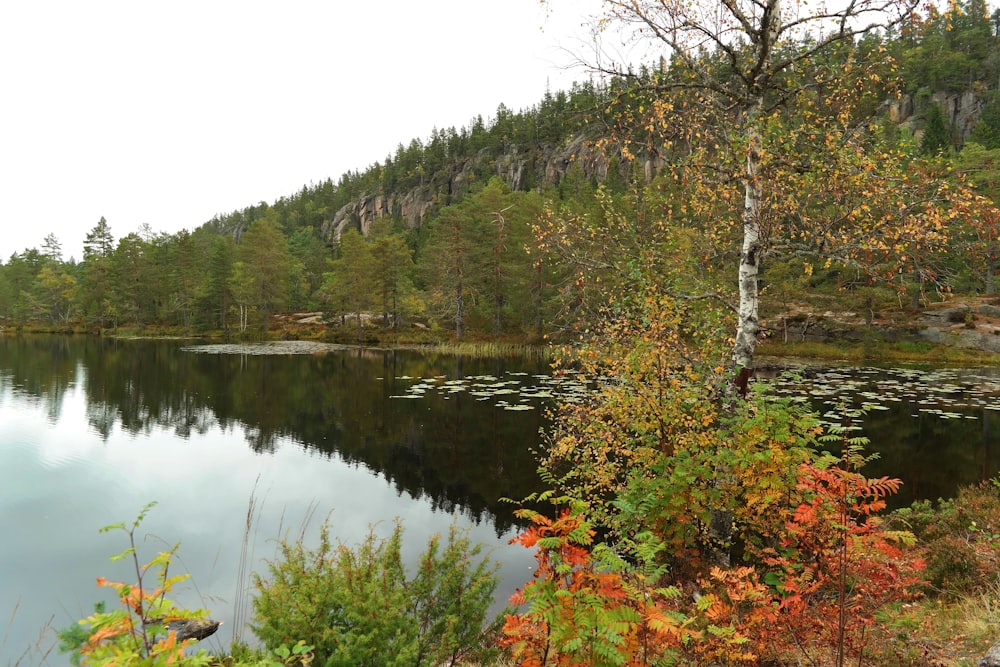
[{"x": 167, "y": 113}]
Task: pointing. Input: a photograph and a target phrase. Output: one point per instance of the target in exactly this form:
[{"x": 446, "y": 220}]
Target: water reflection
[
  {"x": 455, "y": 451},
  {"x": 936, "y": 429},
  {"x": 92, "y": 429}
]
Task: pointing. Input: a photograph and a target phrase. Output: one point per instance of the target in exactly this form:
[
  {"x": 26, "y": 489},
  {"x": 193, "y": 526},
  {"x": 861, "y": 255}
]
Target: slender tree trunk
[
  {"x": 539, "y": 284},
  {"x": 386, "y": 292},
  {"x": 748, "y": 316},
  {"x": 459, "y": 311},
  {"x": 748, "y": 325},
  {"x": 498, "y": 277},
  {"x": 459, "y": 286},
  {"x": 748, "y": 319},
  {"x": 395, "y": 309},
  {"x": 991, "y": 267},
  {"x": 497, "y": 315}
]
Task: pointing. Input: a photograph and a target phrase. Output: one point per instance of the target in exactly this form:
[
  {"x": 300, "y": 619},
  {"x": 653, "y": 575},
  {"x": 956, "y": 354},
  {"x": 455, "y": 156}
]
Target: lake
[
  {"x": 92, "y": 429},
  {"x": 934, "y": 428}
]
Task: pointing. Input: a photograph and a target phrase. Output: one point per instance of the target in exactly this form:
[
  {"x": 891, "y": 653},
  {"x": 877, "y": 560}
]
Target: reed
[
  {"x": 37, "y": 653},
  {"x": 489, "y": 350},
  {"x": 240, "y": 602},
  {"x": 904, "y": 351}
]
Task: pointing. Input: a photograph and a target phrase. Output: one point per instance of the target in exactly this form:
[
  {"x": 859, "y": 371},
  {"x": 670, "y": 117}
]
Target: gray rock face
[
  {"x": 989, "y": 310},
  {"x": 961, "y": 109},
  {"x": 517, "y": 168}
]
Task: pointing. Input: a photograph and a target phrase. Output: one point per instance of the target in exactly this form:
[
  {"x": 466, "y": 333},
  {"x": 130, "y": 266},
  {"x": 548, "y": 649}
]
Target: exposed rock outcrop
[
  {"x": 412, "y": 206},
  {"x": 961, "y": 109},
  {"x": 523, "y": 167},
  {"x": 974, "y": 326},
  {"x": 519, "y": 168}
]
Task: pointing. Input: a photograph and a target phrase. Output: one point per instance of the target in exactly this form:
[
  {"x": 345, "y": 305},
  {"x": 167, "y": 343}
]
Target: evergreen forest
[{"x": 522, "y": 225}]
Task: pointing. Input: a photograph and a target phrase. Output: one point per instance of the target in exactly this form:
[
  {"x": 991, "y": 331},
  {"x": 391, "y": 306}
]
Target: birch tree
[{"x": 738, "y": 79}]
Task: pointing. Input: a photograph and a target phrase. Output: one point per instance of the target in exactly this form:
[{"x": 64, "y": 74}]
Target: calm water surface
[
  {"x": 93, "y": 429},
  {"x": 936, "y": 429}
]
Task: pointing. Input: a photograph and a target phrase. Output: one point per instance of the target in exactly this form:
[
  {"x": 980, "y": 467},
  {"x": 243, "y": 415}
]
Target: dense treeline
[{"x": 485, "y": 262}]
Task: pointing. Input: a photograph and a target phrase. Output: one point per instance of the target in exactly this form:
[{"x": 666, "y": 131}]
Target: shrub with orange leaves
[
  {"x": 838, "y": 564},
  {"x": 814, "y": 593},
  {"x": 139, "y": 632},
  {"x": 588, "y": 605}
]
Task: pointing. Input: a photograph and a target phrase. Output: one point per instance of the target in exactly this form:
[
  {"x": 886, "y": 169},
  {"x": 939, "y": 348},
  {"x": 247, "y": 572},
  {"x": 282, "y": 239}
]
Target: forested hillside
[
  {"x": 781, "y": 158},
  {"x": 523, "y": 223}
]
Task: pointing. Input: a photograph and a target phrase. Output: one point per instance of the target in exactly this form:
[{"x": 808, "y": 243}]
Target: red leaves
[
  {"x": 581, "y": 609},
  {"x": 837, "y": 566},
  {"x": 588, "y": 609},
  {"x": 528, "y": 538},
  {"x": 815, "y": 591}
]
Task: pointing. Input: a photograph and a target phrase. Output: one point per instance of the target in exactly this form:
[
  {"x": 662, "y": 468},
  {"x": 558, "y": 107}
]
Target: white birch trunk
[
  {"x": 748, "y": 320},
  {"x": 748, "y": 317}
]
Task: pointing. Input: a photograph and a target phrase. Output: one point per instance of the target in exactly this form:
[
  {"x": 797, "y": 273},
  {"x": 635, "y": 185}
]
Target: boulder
[{"x": 992, "y": 657}]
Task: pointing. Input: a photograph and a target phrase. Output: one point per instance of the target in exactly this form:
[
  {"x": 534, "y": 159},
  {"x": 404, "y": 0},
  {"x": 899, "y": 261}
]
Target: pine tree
[
  {"x": 99, "y": 241},
  {"x": 392, "y": 265},
  {"x": 936, "y": 138},
  {"x": 262, "y": 270},
  {"x": 349, "y": 286}
]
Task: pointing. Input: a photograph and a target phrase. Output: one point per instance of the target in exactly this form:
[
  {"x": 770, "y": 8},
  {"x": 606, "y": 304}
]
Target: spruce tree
[{"x": 936, "y": 139}]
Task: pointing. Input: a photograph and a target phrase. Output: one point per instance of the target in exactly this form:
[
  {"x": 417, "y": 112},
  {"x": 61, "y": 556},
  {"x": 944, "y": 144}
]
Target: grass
[
  {"x": 488, "y": 349},
  {"x": 38, "y": 651},
  {"x": 241, "y": 603},
  {"x": 949, "y": 634},
  {"x": 879, "y": 351}
]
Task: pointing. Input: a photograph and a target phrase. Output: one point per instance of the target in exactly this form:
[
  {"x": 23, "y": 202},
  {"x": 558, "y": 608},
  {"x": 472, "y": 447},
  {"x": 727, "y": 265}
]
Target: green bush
[
  {"x": 960, "y": 538},
  {"x": 952, "y": 565},
  {"x": 357, "y": 606}
]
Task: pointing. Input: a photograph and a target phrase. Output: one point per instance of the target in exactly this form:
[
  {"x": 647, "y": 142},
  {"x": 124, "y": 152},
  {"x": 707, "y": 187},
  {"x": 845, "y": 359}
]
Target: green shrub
[
  {"x": 952, "y": 565},
  {"x": 960, "y": 537},
  {"x": 356, "y": 606},
  {"x": 297, "y": 655}
]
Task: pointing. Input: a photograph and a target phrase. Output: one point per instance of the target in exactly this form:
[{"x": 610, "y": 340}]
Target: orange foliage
[
  {"x": 585, "y": 611},
  {"x": 814, "y": 591}
]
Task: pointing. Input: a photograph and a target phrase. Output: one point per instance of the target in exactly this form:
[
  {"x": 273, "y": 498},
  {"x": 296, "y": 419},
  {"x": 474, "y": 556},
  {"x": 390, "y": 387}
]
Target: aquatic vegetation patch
[
  {"x": 267, "y": 348},
  {"x": 946, "y": 393},
  {"x": 516, "y": 391}
]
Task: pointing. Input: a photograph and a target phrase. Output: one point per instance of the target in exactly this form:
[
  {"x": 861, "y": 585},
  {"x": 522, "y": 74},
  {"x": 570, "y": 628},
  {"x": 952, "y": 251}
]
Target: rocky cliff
[
  {"x": 522, "y": 168},
  {"x": 518, "y": 167},
  {"x": 962, "y": 110}
]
